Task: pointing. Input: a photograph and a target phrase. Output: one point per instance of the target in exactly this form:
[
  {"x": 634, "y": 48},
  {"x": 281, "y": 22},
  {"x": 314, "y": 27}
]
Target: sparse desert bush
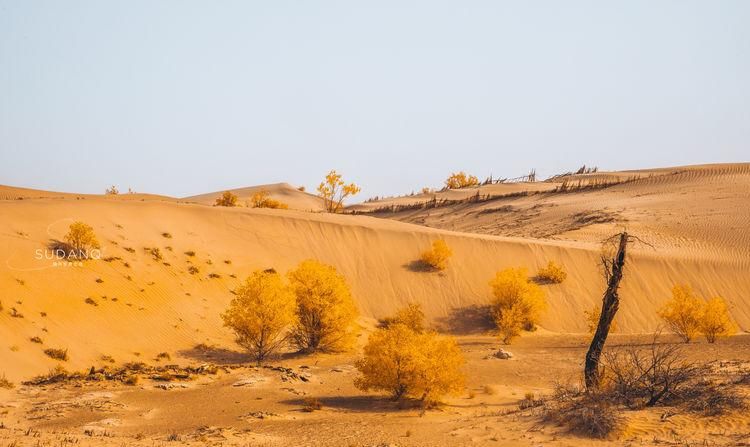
[
  {"x": 261, "y": 199},
  {"x": 460, "y": 179},
  {"x": 5, "y": 383},
  {"x": 437, "y": 257},
  {"x": 591, "y": 414},
  {"x": 261, "y": 314},
  {"x": 214, "y": 275},
  {"x": 301, "y": 188},
  {"x": 193, "y": 270},
  {"x": 226, "y": 199},
  {"x": 154, "y": 252},
  {"x": 310, "y": 404},
  {"x": 517, "y": 304},
  {"x": 129, "y": 249},
  {"x": 326, "y": 312},
  {"x": 112, "y": 191},
  {"x": 57, "y": 354},
  {"x": 166, "y": 235},
  {"x": 715, "y": 321},
  {"x": 683, "y": 312},
  {"x": 592, "y": 319},
  {"x": 163, "y": 356},
  {"x": 427, "y": 190},
  {"x": 36, "y": 340},
  {"x": 81, "y": 238},
  {"x": 412, "y": 316},
  {"x": 107, "y": 358},
  {"x": 333, "y": 190},
  {"x": 15, "y": 313},
  {"x": 91, "y": 301},
  {"x": 190, "y": 253},
  {"x": 553, "y": 273},
  {"x": 405, "y": 363}
]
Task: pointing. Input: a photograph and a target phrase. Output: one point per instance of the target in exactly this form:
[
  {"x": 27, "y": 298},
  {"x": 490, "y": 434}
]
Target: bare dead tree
[{"x": 613, "y": 269}]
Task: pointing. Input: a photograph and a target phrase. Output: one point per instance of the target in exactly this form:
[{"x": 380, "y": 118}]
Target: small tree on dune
[
  {"x": 226, "y": 199},
  {"x": 261, "y": 199},
  {"x": 518, "y": 303},
  {"x": 112, "y": 190},
  {"x": 715, "y": 321},
  {"x": 437, "y": 256},
  {"x": 683, "y": 312},
  {"x": 261, "y": 313},
  {"x": 334, "y": 191},
  {"x": 81, "y": 239},
  {"x": 553, "y": 273},
  {"x": 405, "y": 363},
  {"x": 459, "y": 180},
  {"x": 326, "y": 312}
]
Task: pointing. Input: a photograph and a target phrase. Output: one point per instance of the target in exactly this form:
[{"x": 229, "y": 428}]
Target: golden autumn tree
[
  {"x": 715, "y": 321},
  {"x": 405, "y": 363},
  {"x": 411, "y": 316},
  {"x": 81, "y": 239},
  {"x": 261, "y": 313},
  {"x": 326, "y": 312},
  {"x": 333, "y": 190},
  {"x": 262, "y": 199},
  {"x": 518, "y": 303},
  {"x": 226, "y": 199},
  {"x": 553, "y": 273},
  {"x": 458, "y": 180},
  {"x": 437, "y": 256},
  {"x": 682, "y": 313}
]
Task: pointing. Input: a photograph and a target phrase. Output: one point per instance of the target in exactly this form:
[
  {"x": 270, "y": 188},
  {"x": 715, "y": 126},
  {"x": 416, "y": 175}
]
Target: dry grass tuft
[{"x": 57, "y": 354}]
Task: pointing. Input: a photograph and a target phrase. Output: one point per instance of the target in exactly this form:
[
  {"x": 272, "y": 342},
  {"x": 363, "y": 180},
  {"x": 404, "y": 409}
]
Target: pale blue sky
[{"x": 183, "y": 97}]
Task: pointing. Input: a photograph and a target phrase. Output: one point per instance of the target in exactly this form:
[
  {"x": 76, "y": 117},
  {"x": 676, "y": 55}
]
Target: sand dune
[
  {"x": 159, "y": 306},
  {"x": 284, "y": 192}
]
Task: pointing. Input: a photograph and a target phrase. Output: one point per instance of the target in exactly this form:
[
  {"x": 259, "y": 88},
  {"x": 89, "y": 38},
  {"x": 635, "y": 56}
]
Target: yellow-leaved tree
[
  {"x": 437, "y": 256},
  {"x": 715, "y": 321},
  {"x": 458, "y": 180},
  {"x": 326, "y": 312},
  {"x": 261, "y": 313},
  {"x": 262, "y": 199},
  {"x": 334, "y": 191},
  {"x": 518, "y": 303},
  {"x": 226, "y": 199},
  {"x": 682, "y": 313},
  {"x": 407, "y": 363},
  {"x": 411, "y": 316},
  {"x": 81, "y": 239},
  {"x": 552, "y": 273}
]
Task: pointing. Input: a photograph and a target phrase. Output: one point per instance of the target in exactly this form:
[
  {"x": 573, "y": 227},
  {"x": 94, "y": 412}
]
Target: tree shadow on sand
[
  {"x": 364, "y": 404},
  {"x": 420, "y": 266},
  {"x": 474, "y": 319},
  {"x": 216, "y": 355}
]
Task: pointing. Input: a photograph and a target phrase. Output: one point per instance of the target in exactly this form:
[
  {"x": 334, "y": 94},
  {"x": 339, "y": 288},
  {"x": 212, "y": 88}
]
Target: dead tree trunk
[{"x": 610, "y": 303}]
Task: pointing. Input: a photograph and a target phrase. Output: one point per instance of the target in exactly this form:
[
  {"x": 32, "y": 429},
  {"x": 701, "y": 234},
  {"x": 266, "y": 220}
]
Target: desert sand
[{"x": 129, "y": 306}]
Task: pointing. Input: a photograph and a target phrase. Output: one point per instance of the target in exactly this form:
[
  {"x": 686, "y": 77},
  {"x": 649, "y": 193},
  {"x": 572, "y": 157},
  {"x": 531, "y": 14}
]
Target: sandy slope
[
  {"x": 162, "y": 307},
  {"x": 284, "y": 192}
]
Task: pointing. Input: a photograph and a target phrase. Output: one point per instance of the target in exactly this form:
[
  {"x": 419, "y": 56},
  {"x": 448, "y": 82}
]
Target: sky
[{"x": 187, "y": 97}]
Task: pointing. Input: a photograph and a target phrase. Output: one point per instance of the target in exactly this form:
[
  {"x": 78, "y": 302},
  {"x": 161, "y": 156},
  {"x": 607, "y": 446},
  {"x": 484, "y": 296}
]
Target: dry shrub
[
  {"x": 683, "y": 312},
  {"x": 193, "y": 270},
  {"x": 591, "y": 414},
  {"x": 261, "y": 199},
  {"x": 333, "y": 190},
  {"x": 166, "y": 235},
  {"x": 163, "y": 356},
  {"x": 226, "y": 199},
  {"x": 437, "y": 257},
  {"x": 412, "y": 316},
  {"x": 518, "y": 303},
  {"x": 460, "y": 179},
  {"x": 91, "y": 301},
  {"x": 553, "y": 273},
  {"x": 310, "y": 404},
  {"x": 190, "y": 253},
  {"x": 261, "y": 313},
  {"x": 405, "y": 363},
  {"x": 57, "y": 354},
  {"x": 37, "y": 340},
  {"x": 5, "y": 383},
  {"x": 326, "y": 312}
]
